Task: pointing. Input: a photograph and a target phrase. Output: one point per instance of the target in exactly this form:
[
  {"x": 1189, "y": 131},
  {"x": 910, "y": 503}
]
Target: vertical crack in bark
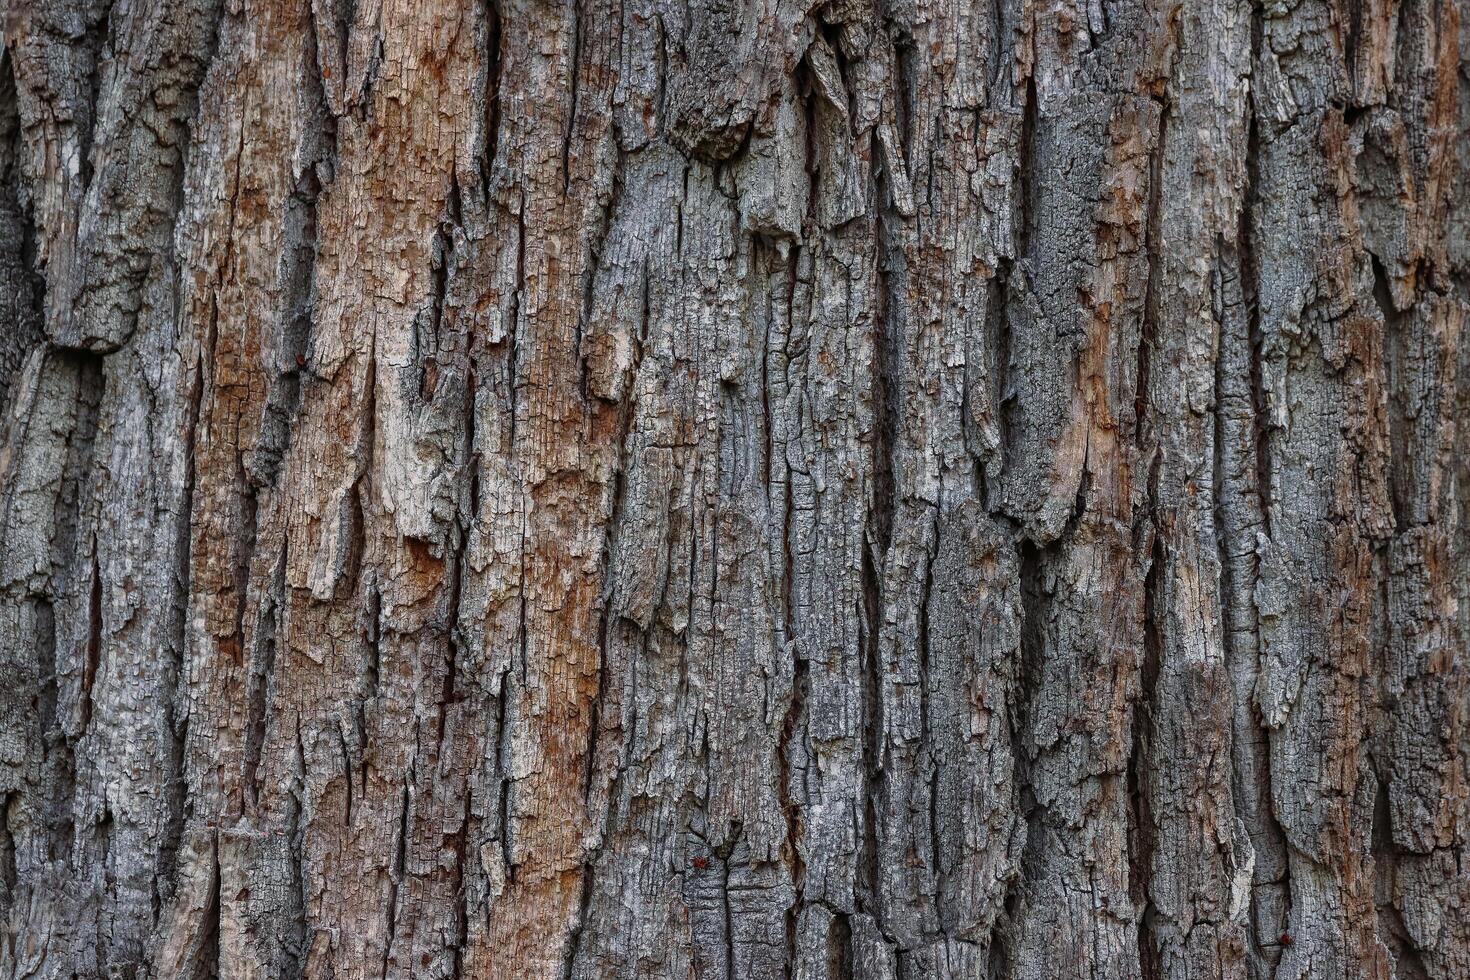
[
  {"x": 359, "y": 494},
  {"x": 455, "y": 575},
  {"x": 297, "y": 278},
  {"x": 1249, "y": 276},
  {"x": 1351, "y": 34},
  {"x": 793, "y": 723},
  {"x": 1391, "y": 369},
  {"x": 512, "y": 339},
  {"x": 258, "y": 683},
  {"x": 372, "y": 663},
  {"x": 97, "y": 34},
  {"x": 869, "y": 892},
  {"x": 55, "y": 758},
  {"x": 461, "y": 354},
  {"x": 428, "y": 327},
  {"x": 1240, "y": 518},
  {"x": 207, "y": 964},
  {"x": 502, "y": 764},
  {"x": 1025, "y": 202},
  {"x": 92, "y": 655},
  {"x": 22, "y": 310},
  {"x": 613, "y": 523},
  {"x": 345, "y": 19},
  {"x": 611, "y": 526},
  {"x": 9, "y": 871},
  {"x": 593, "y": 256},
  {"x": 1017, "y": 276},
  {"x": 297, "y": 896},
  {"x": 729, "y": 921},
  {"x": 490, "y": 82},
  {"x": 767, "y": 423},
  {"x": 998, "y": 323},
  {"x": 244, "y": 544},
  {"x": 1003, "y": 956},
  {"x": 175, "y": 700},
  {"x": 362, "y": 103},
  {"x": 1142, "y": 831},
  {"x": 999, "y": 49},
  {"x": 1247, "y": 520},
  {"x": 907, "y": 77},
  {"x": 1408, "y": 962},
  {"x": 1148, "y": 338},
  {"x": 460, "y": 848},
  {"x": 450, "y": 695},
  {"x": 679, "y": 223},
  {"x": 346, "y": 774},
  {"x": 175, "y": 86},
  {"x": 792, "y": 728},
  {"x": 579, "y": 926},
  {"x": 71, "y": 554},
  {"x": 396, "y": 873},
  {"x": 574, "y": 10},
  {"x": 878, "y": 538},
  {"x": 926, "y": 735}
]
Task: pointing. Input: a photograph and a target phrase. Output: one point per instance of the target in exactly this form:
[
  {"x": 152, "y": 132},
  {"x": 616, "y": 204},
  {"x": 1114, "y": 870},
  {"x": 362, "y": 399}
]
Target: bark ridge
[{"x": 761, "y": 489}]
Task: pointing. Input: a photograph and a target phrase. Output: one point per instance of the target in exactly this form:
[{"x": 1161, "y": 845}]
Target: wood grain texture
[{"x": 762, "y": 489}]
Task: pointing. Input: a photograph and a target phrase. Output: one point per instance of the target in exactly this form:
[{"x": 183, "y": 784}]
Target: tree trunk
[{"x": 626, "y": 488}]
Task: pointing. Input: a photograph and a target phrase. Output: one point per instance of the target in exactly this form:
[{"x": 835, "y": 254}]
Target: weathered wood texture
[{"x": 734, "y": 489}]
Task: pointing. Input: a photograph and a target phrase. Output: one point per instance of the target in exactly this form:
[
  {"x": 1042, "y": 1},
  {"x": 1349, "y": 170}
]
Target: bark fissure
[{"x": 861, "y": 491}]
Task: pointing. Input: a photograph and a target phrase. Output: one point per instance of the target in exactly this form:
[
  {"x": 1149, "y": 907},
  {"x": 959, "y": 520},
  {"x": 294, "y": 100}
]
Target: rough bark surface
[{"x": 734, "y": 489}]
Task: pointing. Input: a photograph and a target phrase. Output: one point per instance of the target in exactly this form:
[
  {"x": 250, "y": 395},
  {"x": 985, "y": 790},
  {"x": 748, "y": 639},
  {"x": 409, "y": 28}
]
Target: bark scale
[{"x": 634, "y": 489}]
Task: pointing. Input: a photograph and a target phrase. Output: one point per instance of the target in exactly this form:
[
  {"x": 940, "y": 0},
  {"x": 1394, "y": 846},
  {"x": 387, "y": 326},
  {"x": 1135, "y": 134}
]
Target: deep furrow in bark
[{"x": 867, "y": 491}]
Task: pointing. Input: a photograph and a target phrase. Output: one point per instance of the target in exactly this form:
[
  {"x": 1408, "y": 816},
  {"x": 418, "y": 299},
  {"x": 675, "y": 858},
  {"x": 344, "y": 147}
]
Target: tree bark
[{"x": 762, "y": 489}]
